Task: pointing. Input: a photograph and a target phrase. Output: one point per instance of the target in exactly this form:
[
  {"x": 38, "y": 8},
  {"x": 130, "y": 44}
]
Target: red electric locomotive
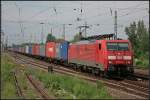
[{"x": 108, "y": 56}]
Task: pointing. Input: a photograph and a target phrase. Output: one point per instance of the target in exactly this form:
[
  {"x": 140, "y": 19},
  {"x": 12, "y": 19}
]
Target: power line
[
  {"x": 33, "y": 16},
  {"x": 129, "y": 13},
  {"x": 133, "y": 7}
]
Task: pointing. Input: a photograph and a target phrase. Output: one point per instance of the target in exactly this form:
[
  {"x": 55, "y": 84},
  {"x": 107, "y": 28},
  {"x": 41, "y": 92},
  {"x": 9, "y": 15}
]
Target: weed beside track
[{"x": 8, "y": 89}]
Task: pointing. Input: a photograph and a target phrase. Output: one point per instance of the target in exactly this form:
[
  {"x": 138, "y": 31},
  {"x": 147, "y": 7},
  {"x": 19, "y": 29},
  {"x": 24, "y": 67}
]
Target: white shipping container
[
  {"x": 26, "y": 49},
  {"x": 57, "y": 51}
]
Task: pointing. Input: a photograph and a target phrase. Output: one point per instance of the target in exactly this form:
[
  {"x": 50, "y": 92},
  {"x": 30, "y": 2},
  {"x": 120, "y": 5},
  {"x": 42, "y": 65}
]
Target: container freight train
[{"x": 110, "y": 57}]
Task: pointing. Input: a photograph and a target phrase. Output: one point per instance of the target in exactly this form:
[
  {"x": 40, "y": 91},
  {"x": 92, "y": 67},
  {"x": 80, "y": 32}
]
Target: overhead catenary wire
[
  {"x": 131, "y": 12},
  {"x": 38, "y": 13},
  {"x": 50, "y": 23},
  {"x": 133, "y": 7},
  {"x": 87, "y": 18},
  {"x": 11, "y": 21},
  {"x": 118, "y": 16}
]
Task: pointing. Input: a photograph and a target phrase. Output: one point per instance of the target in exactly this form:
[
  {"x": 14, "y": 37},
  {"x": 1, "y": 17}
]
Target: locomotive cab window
[
  {"x": 99, "y": 46},
  {"x": 117, "y": 46}
]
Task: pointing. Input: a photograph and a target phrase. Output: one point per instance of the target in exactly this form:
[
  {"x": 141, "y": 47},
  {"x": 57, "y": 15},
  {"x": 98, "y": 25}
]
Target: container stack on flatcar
[
  {"x": 35, "y": 49},
  {"x": 58, "y": 55},
  {"x": 64, "y": 50},
  {"x": 42, "y": 50},
  {"x": 27, "y": 49},
  {"x": 50, "y": 49},
  {"x": 30, "y": 49}
]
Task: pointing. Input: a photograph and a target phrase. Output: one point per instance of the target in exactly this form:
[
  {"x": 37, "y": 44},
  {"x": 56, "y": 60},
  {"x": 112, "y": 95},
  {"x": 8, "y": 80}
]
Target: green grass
[
  {"x": 142, "y": 60},
  {"x": 142, "y": 63},
  {"x": 65, "y": 87},
  {"x": 8, "y": 89}
]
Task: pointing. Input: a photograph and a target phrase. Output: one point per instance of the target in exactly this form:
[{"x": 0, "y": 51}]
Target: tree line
[{"x": 138, "y": 35}]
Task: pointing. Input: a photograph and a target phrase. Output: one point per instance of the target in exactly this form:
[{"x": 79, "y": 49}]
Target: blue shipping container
[
  {"x": 64, "y": 50},
  {"x": 30, "y": 49}
]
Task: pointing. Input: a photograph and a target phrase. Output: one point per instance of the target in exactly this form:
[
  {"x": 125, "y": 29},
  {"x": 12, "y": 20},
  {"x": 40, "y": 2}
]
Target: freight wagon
[
  {"x": 57, "y": 55},
  {"x": 64, "y": 50},
  {"x": 42, "y": 50},
  {"x": 27, "y": 49},
  {"x": 35, "y": 49},
  {"x": 30, "y": 49},
  {"x": 50, "y": 49},
  {"x": 57, "y": 51}
]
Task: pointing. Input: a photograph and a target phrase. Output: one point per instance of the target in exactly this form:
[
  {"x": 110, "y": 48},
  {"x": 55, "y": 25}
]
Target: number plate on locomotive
[{"x": 119, "y": 57}]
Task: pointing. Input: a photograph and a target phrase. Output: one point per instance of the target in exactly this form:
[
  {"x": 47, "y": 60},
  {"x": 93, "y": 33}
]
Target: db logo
[
  {"x": 50, "y": 49},
  {"x": 118, "y": 53}
]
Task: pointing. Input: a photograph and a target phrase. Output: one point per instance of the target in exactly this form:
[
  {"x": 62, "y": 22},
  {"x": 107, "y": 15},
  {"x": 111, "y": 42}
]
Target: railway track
[
  {"x": 41, "y": 91},
  {"x": 37, "y": 87},
  {"x": 141, "y": 76},
  {"x": 127, "y": 85},
  {"x": 18, "y": 88}
]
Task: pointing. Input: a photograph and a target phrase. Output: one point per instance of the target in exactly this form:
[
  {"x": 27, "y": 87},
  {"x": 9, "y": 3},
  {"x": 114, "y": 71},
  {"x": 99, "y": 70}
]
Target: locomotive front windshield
[{"x": 117, "y": 46}]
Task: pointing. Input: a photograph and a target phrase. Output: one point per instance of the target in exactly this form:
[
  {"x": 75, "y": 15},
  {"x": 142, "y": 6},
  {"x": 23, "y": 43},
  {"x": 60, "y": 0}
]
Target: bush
[
  {"x": 73, "y": 86},
  {"x": 142, "y": 63},
  {"x": 8, "y": 86}
]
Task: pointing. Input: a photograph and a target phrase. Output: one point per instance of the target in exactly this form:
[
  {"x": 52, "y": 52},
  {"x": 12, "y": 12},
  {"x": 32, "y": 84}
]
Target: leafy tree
[
  {"x": 139, "y": 37},
  {"x": 131, "y": 32},
  {"x": 50, "y": 37},
  {"x": 143, "y": 36},
  {"x": 77, "y": 37}
]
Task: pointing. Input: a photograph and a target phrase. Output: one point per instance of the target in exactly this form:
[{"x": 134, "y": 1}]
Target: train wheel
[
  {"x": 101, "y": 73},
  {"x": 93, "y": 71},
  {"x": 80, "y": 68},
  {"x": 75, "y": 67},
  {"x": 106, "y": 74},
  {"x": 98, "y": 72},
  {"x": 132, "y": 70}
]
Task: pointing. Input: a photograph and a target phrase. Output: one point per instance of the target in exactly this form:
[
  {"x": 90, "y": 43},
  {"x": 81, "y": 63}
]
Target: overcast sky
[{"x": 56, "y": 13}]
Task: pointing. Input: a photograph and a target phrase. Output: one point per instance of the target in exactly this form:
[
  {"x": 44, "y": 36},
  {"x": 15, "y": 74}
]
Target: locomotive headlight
[
  {"x": 112, "y": 57},
  {"x": 110, "y": 62},
  {"x": 127, "y": 57},
  {"x": 128, "y": 62}
]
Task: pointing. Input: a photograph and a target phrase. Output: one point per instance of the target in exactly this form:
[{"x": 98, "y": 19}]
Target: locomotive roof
[
  {"x": 93, "y": 41},
  {"x": 84, "y": 42},
  {"x": 97, "y": 37}
]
